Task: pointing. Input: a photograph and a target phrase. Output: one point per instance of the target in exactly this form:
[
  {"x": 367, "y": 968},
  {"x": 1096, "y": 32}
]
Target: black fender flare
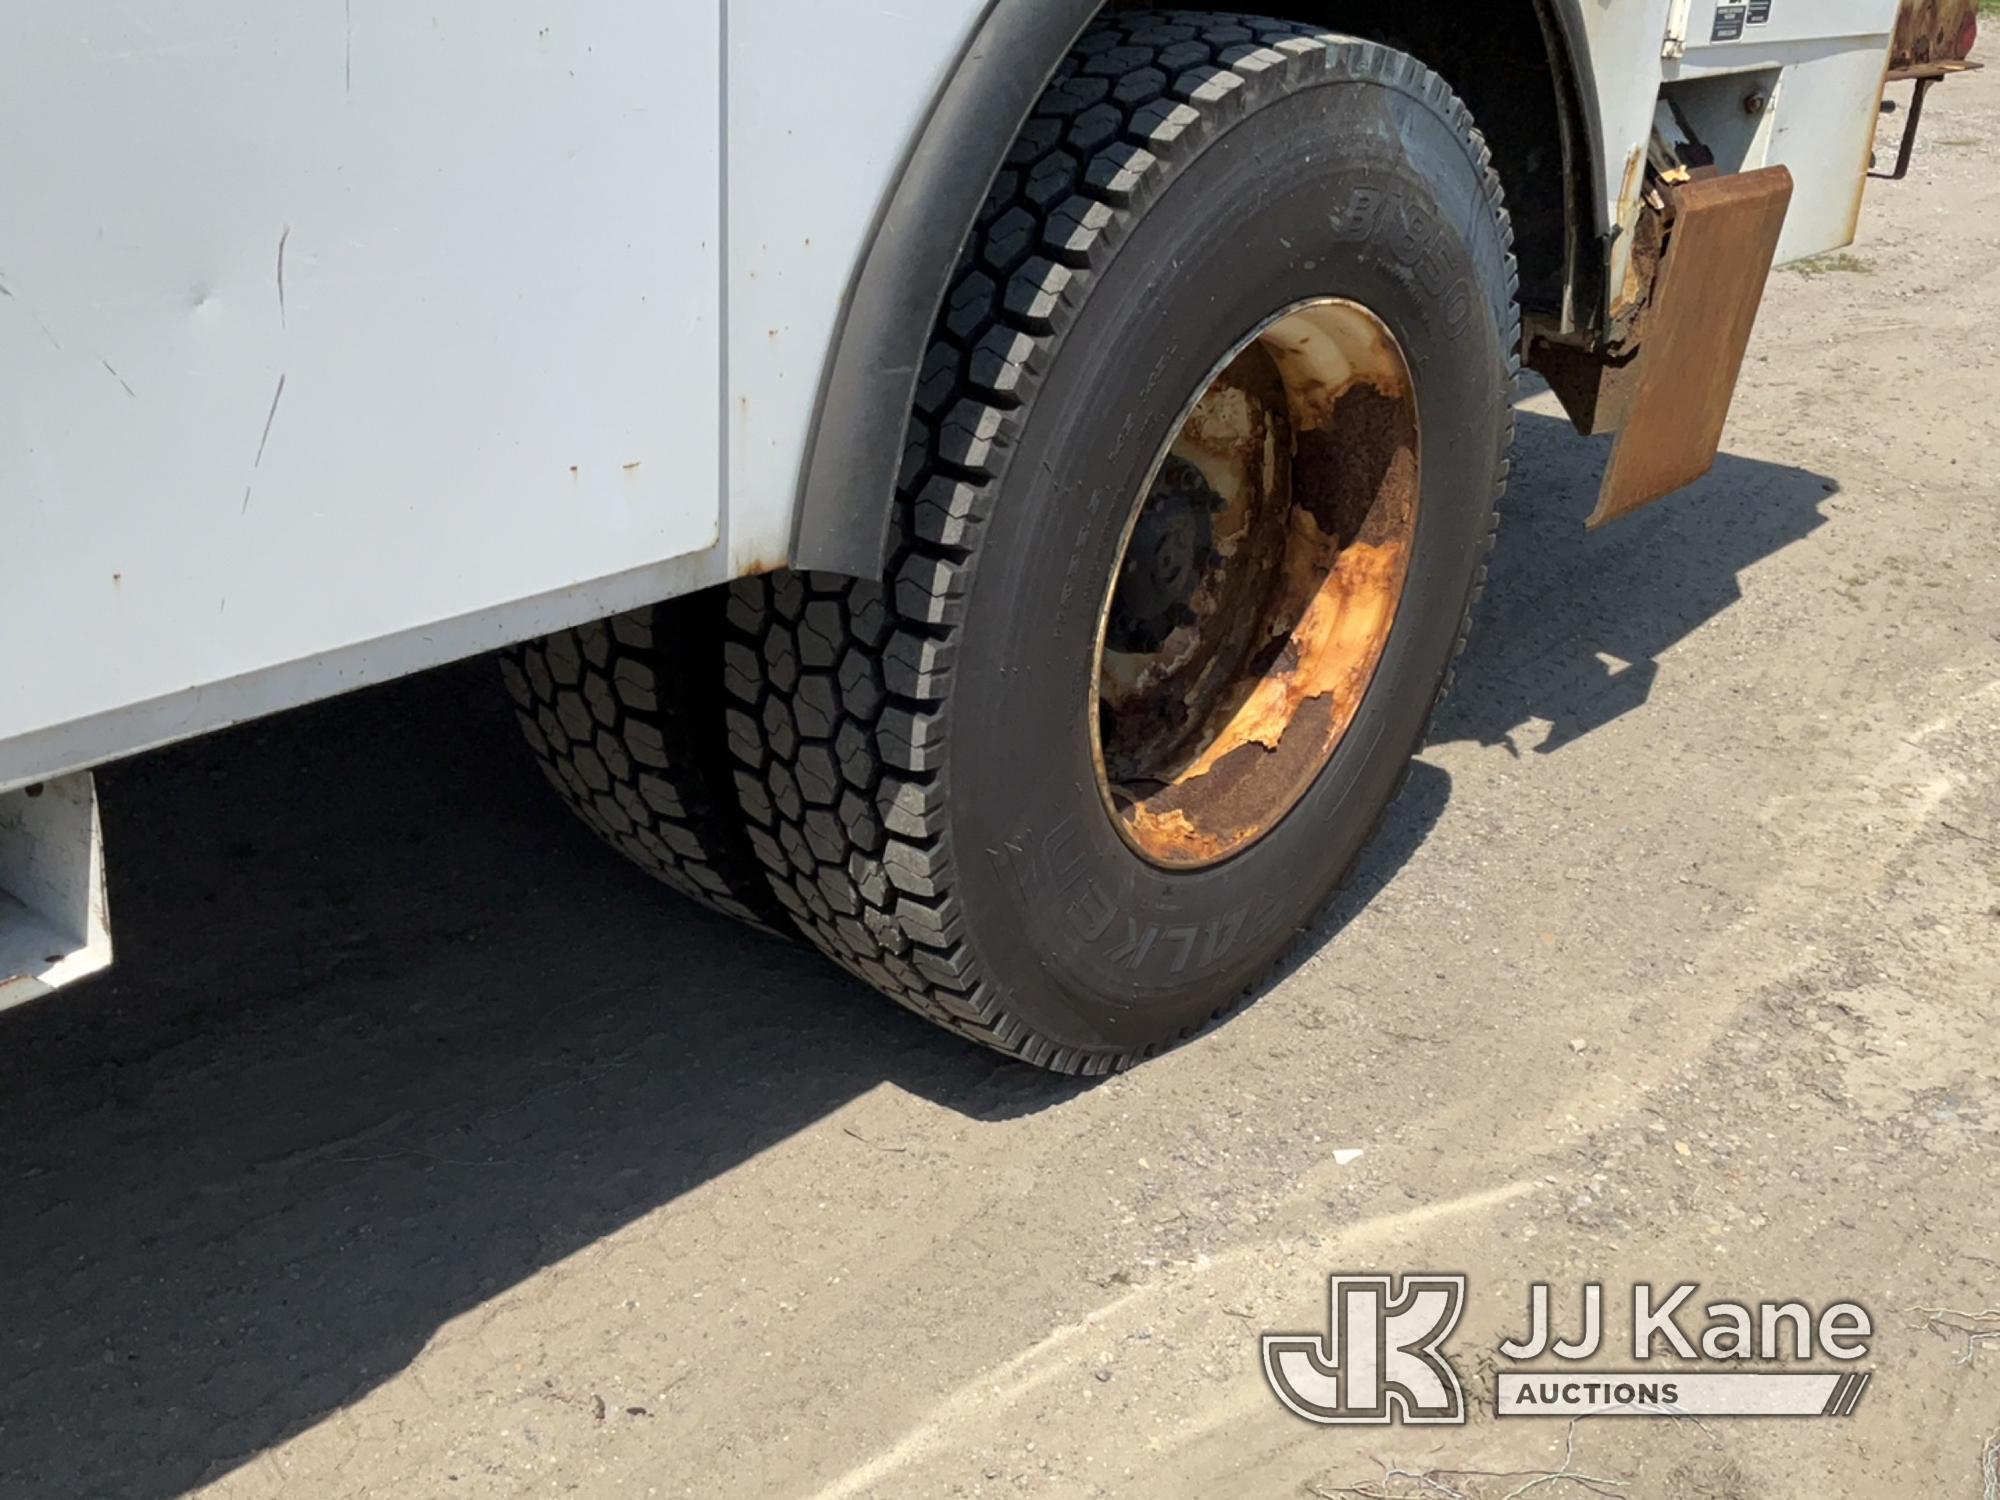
[
  {"x": 855, "y": 447},
  {"x": 1566, "y": 35},
  {"x": 856, "y": 443}
]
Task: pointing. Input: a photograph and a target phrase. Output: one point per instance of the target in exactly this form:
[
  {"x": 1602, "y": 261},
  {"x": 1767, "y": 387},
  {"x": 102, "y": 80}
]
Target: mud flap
[{"x": 1711, "y": 278}]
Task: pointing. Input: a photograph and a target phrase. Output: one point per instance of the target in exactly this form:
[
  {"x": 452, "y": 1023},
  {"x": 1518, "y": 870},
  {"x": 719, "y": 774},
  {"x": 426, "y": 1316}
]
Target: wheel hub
[
  {"x": 1257, "y": 584},
  {"x": 1165, "y": 561}
]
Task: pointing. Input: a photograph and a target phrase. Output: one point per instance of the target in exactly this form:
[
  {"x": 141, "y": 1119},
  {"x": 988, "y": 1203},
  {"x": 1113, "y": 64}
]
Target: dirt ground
[{"x": 416, "y": 1147}]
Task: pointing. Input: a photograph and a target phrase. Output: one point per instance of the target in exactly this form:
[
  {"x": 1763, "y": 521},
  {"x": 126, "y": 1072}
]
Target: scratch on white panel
[
  {"x": 47, "y": 333},
  {"x": 269, "y": 417},
  {"x": 284, "y": 234}
]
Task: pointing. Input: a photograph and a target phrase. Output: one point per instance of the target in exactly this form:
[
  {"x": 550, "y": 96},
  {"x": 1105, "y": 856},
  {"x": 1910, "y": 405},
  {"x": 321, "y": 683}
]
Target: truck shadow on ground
[
  {"x": 1573, "y": 623},
  {"x": 388, "y": 1034}
]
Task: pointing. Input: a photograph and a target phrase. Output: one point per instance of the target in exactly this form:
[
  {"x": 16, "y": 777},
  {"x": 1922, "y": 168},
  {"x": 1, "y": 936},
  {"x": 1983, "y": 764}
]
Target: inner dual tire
[{"x": 1114, "y": 728}]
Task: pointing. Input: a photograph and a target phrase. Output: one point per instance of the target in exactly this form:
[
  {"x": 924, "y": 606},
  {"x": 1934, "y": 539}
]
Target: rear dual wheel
[
  {"x": 1200, "y": 484},
  {"x": 1199, "y": 487}
]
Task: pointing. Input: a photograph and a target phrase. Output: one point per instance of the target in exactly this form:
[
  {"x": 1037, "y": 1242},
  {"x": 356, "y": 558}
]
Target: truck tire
[
  {"x": 1175, "y": 583},
  {"x": 625, "y": 719}
]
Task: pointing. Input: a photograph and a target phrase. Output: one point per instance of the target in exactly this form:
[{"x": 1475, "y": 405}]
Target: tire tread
[
  {"x": 624, "y": 717},
  {"x": 1139, "y": 92}
]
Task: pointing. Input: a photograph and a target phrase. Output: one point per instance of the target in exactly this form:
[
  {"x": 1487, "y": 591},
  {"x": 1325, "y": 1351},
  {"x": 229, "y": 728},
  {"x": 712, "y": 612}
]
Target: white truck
[{"x": 992, "y": 486}]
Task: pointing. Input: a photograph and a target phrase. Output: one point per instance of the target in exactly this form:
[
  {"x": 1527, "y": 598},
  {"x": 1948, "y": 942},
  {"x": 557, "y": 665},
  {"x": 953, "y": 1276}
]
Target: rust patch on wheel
[{"x": 1257, "y": 585}]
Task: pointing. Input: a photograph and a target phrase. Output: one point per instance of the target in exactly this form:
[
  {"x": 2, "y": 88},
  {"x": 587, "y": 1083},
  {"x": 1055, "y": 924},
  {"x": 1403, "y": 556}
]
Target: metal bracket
[
  {"x": 1923, "y": 76},
  {"x": 54, "y": 926}
]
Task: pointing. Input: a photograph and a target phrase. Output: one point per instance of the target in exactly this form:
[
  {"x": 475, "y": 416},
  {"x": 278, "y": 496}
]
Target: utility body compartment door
[{"x": 322, "y": 324}]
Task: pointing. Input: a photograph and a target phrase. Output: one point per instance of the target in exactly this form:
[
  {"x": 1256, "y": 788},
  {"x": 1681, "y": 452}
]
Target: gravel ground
[{"x": 417, "y": 1147}]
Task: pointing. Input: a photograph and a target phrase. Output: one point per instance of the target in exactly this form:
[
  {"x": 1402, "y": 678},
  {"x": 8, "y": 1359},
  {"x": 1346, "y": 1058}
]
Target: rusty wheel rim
[{"x": 1256, "y": 586}]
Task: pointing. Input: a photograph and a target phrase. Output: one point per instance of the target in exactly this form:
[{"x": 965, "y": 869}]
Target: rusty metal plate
[
  {"x": 1933, "y": 31},
  {"x": 1719, "y": 252}
]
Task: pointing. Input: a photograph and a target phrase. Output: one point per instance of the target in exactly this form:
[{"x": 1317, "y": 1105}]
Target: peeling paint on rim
[{"x": 1257, "y": 583}]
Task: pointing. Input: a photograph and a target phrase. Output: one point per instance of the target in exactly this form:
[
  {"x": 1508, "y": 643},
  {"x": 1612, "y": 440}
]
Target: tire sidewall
[{"x": 1326, "y": 186}]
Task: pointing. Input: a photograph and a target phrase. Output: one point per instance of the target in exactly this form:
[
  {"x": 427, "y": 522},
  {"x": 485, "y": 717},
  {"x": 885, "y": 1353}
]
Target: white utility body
[{"x": 337, "y": 342}]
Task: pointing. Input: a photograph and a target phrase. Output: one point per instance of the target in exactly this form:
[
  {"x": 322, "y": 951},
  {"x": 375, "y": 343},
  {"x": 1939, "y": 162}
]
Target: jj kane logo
[{"x": 1382, "y": 1357}]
